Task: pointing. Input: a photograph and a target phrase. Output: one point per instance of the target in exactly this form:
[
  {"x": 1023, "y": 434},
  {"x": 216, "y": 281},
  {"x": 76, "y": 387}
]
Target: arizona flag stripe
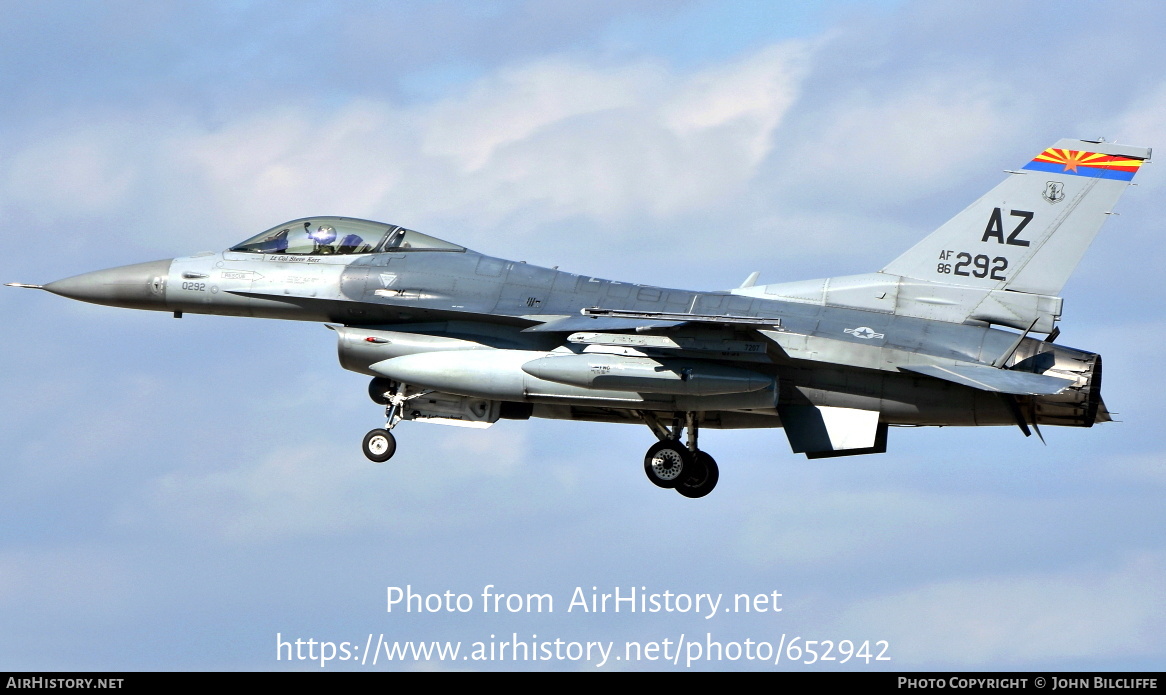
[{"x": 1092, "y": 164}]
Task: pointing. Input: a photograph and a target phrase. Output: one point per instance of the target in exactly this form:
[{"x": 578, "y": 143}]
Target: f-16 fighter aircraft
[{"x": 454, "y": 336}]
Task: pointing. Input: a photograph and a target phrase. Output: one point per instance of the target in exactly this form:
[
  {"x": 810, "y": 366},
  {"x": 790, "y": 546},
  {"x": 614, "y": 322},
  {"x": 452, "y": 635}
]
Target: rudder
[{"x": 1028, "y": 233}]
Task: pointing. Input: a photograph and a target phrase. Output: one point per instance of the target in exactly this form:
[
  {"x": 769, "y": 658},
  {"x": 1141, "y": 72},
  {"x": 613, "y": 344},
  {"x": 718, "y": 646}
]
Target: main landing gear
[{"x": 672, "y": 465}]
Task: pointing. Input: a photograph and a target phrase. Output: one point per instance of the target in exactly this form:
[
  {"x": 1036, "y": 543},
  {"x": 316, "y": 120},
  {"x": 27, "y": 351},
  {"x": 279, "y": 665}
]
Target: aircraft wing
[{"x": 995, "y": 380}]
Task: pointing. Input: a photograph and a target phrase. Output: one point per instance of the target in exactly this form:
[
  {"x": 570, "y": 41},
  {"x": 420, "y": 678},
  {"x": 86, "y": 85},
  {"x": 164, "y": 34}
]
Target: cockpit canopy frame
[{"x": 327, "y": 236}]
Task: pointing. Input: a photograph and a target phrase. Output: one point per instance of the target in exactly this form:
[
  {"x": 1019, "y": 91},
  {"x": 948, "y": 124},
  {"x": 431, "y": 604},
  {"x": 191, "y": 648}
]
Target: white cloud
[
  {"x": 309, "y": 490},
  {"x": 1023, "y": 618},
  {"x": 1139, "y": 469},
  {"x": 548, "y": 140},
  {"x": 63, "y": 582},
  {"x": 514, "y": 104},
  {"x": 906, "y": 142},
  {"x": 86, "y": 169},
  {"x": 751, "y": 96},
  {"x": 266, "y": 164},
  {"x": 556, "y": 136},
  {"x": 811, "y": 529},
  {"x": 1143, "y": 124}
]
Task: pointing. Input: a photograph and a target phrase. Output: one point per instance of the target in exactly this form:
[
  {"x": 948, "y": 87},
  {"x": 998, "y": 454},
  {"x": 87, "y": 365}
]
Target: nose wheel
[{"x": 379, "y": 445}]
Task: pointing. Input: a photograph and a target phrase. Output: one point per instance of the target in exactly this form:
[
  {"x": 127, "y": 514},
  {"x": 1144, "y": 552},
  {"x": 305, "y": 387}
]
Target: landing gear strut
[
  {"x": 670, "y": 464},
  {"x": 379, "y": 445}
]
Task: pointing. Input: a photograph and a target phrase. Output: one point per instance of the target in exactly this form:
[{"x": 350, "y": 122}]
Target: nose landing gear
[
  {"x": 672, "y": 465},
  {"x": 379, "y": 445}
]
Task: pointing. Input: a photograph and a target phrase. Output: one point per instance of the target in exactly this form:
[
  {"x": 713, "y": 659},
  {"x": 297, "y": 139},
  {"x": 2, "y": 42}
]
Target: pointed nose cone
[{"x": 138, "y": 286}]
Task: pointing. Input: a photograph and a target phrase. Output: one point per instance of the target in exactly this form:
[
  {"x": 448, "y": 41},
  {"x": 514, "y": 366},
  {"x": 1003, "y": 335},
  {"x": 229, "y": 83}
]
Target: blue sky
[{"x": 173, "y": 501}]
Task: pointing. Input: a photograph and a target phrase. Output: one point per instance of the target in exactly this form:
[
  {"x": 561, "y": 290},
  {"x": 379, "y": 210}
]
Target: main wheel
[
  {"x": 666, "y": 462},
  {"x": 379, "y": 445},
  {"x": 702, "y": 479}
]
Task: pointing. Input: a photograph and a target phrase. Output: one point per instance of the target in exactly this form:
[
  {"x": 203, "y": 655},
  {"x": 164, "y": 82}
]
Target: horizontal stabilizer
[
  {"x": 823, "y": 432},
  {"x": 995, "y": 380}
]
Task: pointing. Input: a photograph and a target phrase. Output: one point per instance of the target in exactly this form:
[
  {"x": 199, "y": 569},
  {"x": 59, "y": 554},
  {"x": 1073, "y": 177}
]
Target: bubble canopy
[{"x": 320, "y": 236}]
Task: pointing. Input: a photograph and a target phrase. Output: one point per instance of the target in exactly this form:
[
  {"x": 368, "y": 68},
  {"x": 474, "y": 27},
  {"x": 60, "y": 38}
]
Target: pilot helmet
[{"x": 323, "y": 234}]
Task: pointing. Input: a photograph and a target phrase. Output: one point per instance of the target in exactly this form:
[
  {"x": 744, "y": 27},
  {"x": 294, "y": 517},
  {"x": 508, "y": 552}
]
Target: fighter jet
[{"x": 941, "y": 335}]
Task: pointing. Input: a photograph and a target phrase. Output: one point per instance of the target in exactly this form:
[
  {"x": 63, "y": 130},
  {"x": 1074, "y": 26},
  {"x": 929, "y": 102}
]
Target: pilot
[{"x": 323, "y": 238}]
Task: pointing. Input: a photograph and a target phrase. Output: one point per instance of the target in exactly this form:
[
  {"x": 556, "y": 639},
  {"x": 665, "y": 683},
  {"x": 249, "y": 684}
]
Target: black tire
[
  {"x": 702, "y": 480},
  {"x": 666, "y": 462},
  {"x": 379, "y": 446}
]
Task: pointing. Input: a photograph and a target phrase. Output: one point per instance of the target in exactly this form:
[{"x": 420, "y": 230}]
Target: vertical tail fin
[{"x": 1029, "y": 233}]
